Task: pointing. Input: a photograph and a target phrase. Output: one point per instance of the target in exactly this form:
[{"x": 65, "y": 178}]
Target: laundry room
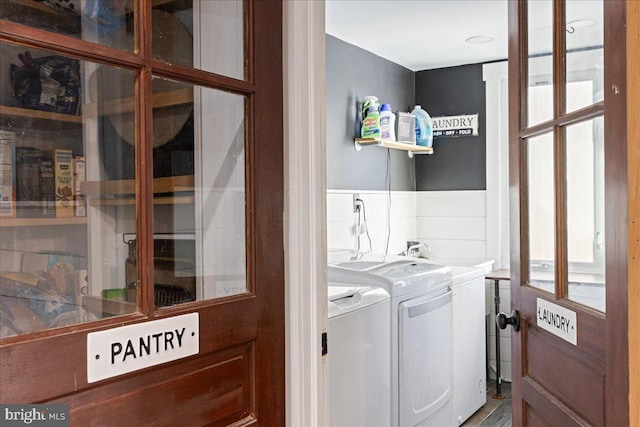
[
  {"x": 444, "y": 202},
  {"x": 441, "y": 206}
]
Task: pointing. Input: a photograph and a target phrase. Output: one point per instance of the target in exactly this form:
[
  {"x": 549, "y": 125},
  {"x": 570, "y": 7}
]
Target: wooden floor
[{"x": 496, "y": 412}]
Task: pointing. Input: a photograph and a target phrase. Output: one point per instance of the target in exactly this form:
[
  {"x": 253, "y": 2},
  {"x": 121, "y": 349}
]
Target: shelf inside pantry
[
  {"x": 26, "y": 11},
  {"x": 127, "y": 187},
  {"x": 15, "y": 117},
  {"x": 29, "y": 222},
  {"x": 127, "y": 105},
  {"x": 130, "y": 201},
  {"x": 103, "y": 306}
]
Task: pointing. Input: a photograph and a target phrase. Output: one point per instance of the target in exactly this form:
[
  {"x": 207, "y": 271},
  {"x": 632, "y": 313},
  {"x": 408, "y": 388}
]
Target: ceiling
[
  {"x": 427, "y": 34},
  {"x": 422, "y": 35}
]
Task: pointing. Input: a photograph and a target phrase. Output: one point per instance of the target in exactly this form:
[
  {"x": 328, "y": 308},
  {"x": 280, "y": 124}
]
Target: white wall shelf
[{"x": 411, "y": 149}]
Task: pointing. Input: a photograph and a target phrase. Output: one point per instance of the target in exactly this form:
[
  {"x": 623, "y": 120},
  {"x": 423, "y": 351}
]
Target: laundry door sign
[
  {"x": 452, "y": 126},
  {"x": 129, "y": 348},
  {"x": 558, "y": 320}
]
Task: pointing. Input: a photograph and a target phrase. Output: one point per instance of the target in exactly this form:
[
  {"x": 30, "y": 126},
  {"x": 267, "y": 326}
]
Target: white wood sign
[
  {"x": 126, "y": 349},
  {"x": 449, "y": 126},
  {"x": 558, "y": 320}
]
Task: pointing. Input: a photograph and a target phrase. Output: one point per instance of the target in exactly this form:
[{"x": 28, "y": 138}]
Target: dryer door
[{"x": 425, "y": 358}]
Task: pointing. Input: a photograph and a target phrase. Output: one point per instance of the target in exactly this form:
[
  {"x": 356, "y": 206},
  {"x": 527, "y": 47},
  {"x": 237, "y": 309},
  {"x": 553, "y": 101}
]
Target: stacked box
[
  {"x": 63, "y": 175},
  {"x": 78, "y": 179},
  {"x": 47, "y": 189},
  {"x": 27, "y": 182},
  {"x": 7, "y": 174}
]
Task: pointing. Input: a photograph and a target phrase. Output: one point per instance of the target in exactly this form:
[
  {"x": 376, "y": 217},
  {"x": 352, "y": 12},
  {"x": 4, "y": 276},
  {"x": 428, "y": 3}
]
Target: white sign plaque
[
  {"x": 126, "y": 349},
  {"x": 450, "y": 126},
  {"x": 557, "y": 320}
]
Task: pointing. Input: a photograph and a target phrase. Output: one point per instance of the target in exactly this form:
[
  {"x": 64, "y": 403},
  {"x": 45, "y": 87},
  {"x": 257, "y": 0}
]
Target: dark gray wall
[
  {"x": 457, "y": 163},
  {"x": 352, "y": 74}
]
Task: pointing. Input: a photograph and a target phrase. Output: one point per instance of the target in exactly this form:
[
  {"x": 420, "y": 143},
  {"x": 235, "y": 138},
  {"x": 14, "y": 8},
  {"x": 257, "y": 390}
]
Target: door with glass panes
[
  {"x": 141, "y": 236},
  {"x": 568, "y": 261}
]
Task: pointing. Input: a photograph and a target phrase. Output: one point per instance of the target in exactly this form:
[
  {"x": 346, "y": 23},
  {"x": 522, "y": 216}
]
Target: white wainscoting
[
  {"x": 453, "y": 223},
  {"x": 387, "y": 214}
]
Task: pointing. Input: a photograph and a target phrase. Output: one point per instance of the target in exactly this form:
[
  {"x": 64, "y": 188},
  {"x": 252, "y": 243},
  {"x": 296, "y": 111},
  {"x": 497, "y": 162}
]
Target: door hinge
[{"x": 324, "y": 343}]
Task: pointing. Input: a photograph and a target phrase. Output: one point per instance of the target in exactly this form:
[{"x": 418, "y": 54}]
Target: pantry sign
[
  {"x": 452, "y": 126},
  {"x": 126, "y": 349}
]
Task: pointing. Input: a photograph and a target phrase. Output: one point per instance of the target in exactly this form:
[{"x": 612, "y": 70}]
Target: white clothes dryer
[{"x": 421, "y": 344}]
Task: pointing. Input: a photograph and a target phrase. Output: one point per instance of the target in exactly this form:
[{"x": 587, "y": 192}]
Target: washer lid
[
  {"x": 345, "y": 299},
  {"x": 401, "y": 277}
]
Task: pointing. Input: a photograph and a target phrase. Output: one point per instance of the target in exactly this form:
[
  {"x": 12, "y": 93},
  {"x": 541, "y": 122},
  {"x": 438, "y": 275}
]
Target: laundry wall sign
[{"x": 453, "y": 126}]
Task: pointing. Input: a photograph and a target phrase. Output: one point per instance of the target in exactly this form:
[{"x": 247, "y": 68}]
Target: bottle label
[
  {"x": 371, "y": 126},
  {"x": 385, "y": 127}
]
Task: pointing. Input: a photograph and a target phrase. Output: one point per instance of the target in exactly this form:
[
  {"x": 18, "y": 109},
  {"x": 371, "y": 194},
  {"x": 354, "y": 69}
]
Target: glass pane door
[
  {"x": 564, "y": 153},
  {"x": 63, "y": 197}
]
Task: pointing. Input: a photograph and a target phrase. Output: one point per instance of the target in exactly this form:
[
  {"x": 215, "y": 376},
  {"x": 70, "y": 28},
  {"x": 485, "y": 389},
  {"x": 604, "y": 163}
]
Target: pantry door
[
  {"x": 568, "y": 206},
  {"x": 181, "y": 127}
]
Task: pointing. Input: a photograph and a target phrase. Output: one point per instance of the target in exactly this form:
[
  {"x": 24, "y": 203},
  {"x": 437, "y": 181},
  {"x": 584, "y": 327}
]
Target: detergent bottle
[
  {"x": 424, "y": 127},
  {"x": 371, "y": 120}
]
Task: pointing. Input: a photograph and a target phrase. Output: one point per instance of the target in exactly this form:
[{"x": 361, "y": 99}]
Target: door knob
[{"x": 502, "y": 320}]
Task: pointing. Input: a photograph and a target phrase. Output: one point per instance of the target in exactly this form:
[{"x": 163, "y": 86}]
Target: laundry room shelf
[{"x": 377, "y": 142}]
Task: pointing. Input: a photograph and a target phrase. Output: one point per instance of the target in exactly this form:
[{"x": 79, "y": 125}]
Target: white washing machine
[
  {"x": 469, "y": 342},
  {"x": 359, "y": 360},
  {"x": 421, "y": 343}
]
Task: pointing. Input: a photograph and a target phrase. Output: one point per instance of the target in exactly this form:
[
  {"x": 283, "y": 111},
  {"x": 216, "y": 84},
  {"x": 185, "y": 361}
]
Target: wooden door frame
[
  {"x": 633, "y": 197},
  {"x": 305, "y": 211},
  {"x": 616, "y": 325}
]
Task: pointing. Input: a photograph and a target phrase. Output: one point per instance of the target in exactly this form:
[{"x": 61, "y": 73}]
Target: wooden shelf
[
  {"x": 130, "y": 201},
  {"x": 377, "y": 142},
  {"x": 122, "y": 192},
  {"x": 28, "y": 222},
  {"x": 127, "y": 105},
  {"x": 127, "y": 187},
  {"x": 37, "y": 119},
  {"x": 101, "y": 306},
  {"x": 37, "y": 14}
]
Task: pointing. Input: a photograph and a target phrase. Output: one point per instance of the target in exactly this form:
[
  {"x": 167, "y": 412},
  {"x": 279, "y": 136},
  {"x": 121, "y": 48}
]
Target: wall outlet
[{"x": 357, "y": 203}]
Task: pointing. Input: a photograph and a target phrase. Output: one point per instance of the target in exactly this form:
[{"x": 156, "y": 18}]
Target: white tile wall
[
  {"x": 453, "y": 223},
  {"x": 391, "y": 215}
]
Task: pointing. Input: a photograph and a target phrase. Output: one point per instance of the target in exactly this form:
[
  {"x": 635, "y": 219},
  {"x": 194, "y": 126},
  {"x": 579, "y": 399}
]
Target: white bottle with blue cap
[{"x": 387, "y": 123}]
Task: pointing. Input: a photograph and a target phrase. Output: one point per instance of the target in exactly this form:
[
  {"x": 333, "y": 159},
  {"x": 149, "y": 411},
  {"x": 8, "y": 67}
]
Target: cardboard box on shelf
[
  {"x": 79, "y": 176},
  {"x": 64, "y": 187},
  {"x": 47, "y": 189},
  {"x": 7, "y": 174},
  {"x": 27, "y": 182}
]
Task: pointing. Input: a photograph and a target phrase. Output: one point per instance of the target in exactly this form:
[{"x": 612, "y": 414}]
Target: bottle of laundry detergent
[
  {"x": 371, "y": 121},
  {"x": 387, "y": 123},
  {"x": 424, "y": 127}
]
